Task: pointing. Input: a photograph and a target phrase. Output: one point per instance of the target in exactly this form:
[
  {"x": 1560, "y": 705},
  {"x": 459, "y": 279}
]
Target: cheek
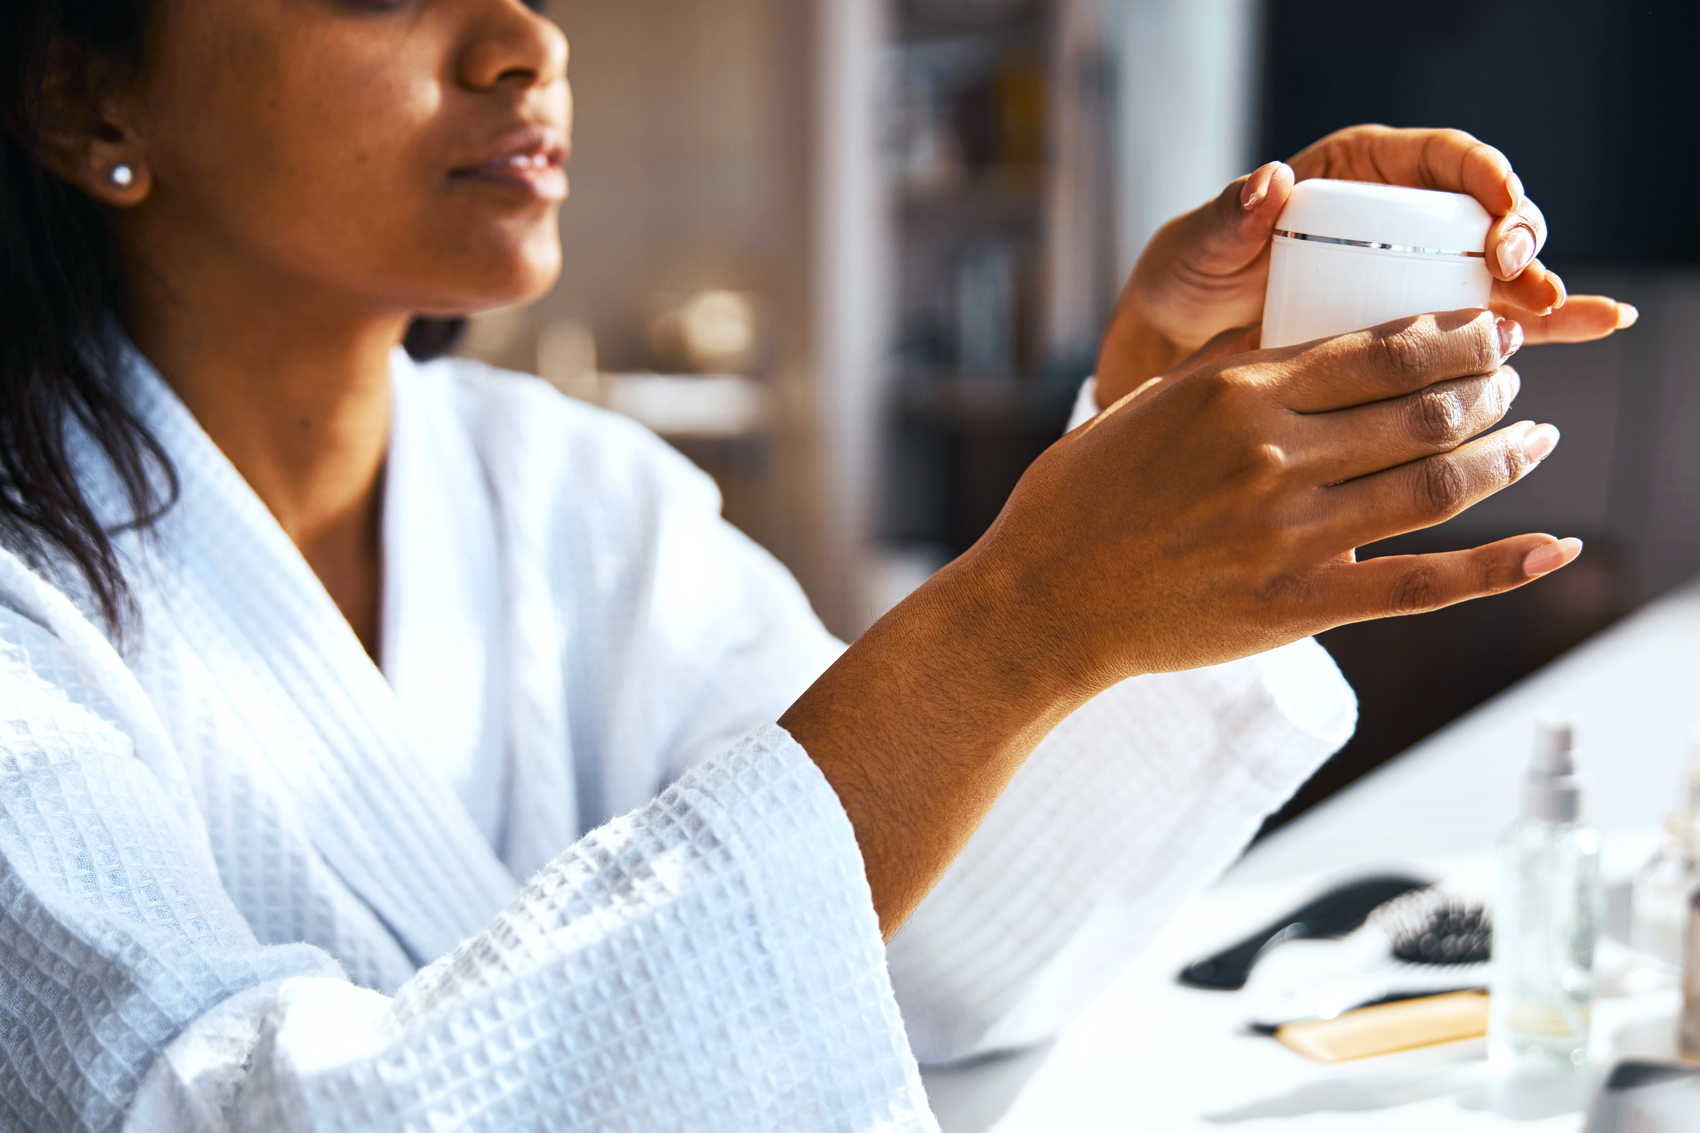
[{"x": 322, "y": 154}]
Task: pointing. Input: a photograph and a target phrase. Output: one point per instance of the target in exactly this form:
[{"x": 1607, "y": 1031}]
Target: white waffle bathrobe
[{"x": 250, "y": 881}]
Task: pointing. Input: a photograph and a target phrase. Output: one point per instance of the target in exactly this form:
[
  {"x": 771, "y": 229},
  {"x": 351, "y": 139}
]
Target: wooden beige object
[{"x": 1390, "y": 1027}]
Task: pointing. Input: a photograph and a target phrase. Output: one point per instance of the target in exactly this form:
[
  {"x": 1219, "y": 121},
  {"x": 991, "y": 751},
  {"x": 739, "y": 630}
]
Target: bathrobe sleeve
[
  {"x": 1136, "y": 802},
  {"x": 708, "y": 962}
]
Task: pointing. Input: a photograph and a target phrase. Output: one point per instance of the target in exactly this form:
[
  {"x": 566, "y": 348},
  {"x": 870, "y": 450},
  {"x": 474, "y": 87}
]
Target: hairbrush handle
[{"x": 1333, "y": 914}]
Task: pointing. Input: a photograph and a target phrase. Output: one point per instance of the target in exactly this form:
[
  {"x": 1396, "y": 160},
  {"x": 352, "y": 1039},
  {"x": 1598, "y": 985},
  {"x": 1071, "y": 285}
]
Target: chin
[{"x": 487, "y": 286}]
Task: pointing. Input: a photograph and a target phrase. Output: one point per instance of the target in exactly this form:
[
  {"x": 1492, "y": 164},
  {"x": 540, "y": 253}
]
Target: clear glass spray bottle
[{"x": 1546, "y": 918}]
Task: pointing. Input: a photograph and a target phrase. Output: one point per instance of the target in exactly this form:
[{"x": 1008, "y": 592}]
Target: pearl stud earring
[{"x": 122, "y": 175}]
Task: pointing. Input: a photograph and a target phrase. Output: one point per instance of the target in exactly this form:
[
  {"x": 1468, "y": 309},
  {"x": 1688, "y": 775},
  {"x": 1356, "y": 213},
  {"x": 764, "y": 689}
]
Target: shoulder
[
  {"x": 68, "y": 706},
  {"x": 61, "y": 677}
]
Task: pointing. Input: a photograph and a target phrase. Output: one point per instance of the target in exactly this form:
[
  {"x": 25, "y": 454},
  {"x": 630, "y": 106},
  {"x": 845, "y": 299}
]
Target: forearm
[{"x": 922, "y": 723}]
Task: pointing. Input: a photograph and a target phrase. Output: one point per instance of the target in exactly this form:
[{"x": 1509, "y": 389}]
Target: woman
[{"x": 312, "y": 655}]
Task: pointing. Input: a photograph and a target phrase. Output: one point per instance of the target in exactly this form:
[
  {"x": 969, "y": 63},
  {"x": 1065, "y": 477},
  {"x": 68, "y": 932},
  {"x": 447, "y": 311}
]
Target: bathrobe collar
[{"x": 376, "y": 807}]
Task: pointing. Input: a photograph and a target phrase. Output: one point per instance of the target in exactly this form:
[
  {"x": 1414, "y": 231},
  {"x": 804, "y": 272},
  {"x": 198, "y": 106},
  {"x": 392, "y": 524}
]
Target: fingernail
[
  {"x": 1515, "y": 184},
  {"x": 1560, "y": 295},
  {"x": 1539, "y": 442},
  {"x": 1545, "y": 560},
  {"x": 1627, "y": 316},
  {"x": 1510, "y": 338},
  {"x": 1257, "y": 187},
  {"x": 1516, "y": 382},
  {"x": 1516, "y": 251}
]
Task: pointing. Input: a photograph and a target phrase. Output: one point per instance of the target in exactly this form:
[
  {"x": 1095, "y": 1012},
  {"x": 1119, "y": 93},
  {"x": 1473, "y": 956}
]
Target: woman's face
[{"x": 399, "y": 156}]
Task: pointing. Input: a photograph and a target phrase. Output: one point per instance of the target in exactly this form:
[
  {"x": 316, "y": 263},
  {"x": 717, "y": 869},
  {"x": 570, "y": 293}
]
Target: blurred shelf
[
  {"x": 925, "y": 21},
  {"x": 689, "y": 405},
  {"x": 960, "y": 446},
  {"x": 986, "y": 404},
  {"x": 996, "y": 192}
]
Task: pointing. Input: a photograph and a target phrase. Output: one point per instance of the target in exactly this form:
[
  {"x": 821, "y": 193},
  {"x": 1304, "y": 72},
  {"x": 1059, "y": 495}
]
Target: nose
[{"x": 509, "y": 43}]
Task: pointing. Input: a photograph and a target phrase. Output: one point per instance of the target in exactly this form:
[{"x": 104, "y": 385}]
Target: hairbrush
[
  {"x": 1328, "y": 916},
  {"x": 1424, "y": 943}
]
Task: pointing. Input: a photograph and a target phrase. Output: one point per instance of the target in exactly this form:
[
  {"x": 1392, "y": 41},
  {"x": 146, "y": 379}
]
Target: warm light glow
[{"x": 718, "y": 329}]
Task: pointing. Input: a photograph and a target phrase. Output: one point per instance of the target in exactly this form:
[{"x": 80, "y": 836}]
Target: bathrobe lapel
[
  {"x": 543, "y": 813},
  {"x": 316, "y": 708},
  {"x": 444, "y": 641}
]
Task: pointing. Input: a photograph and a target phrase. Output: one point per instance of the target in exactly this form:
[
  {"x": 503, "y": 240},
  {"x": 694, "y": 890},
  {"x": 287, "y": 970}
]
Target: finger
[
  {"x": 1449, "y": 160},
  {"x": 1336, "y": 447},
  {"x": 1394, "y": 359},
  {"x": 1516, "y": 237},
  {"x": 1431, "y": 491},
  {"x": 1538, "y": 289},
  {"x": 1415, "y": 584},
  {"x": 1583, "y": 319},
  {"x": 1234, "y": 231}
]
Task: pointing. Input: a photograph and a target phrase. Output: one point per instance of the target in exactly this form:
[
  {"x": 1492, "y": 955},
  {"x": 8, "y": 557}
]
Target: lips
[{"x": 530, "y": 162}]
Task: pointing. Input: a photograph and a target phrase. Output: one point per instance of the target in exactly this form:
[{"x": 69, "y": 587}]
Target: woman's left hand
[{"x": 1205, "y": 272}]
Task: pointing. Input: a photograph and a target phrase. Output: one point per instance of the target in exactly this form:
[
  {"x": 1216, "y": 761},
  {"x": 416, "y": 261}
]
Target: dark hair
[{"x": 61, "y": 350}]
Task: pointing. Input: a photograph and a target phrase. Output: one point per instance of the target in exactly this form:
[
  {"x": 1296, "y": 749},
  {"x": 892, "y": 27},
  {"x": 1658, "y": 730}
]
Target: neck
[{"x": 297, "y": 396}]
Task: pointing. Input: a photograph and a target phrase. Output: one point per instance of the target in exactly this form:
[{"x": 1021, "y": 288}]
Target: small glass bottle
[
  {"x": 1688, "y": 1034},
  {"x": 1659, "y": 898},
  {"x": 1546, "y": 919}
]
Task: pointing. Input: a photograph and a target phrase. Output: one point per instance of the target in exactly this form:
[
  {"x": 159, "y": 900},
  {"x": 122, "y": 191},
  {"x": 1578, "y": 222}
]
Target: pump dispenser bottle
[
  {"x": 1688, "y": 1030},
  {"x": 1546, "y": 918},
  {"x": 1660, "y": 897}
]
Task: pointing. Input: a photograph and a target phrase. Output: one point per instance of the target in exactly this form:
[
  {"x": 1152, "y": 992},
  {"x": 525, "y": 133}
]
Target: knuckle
[
  {"x": 1438, "y": 417},
  {"x": 1217, "y": 388},
  {"x": 1440, "y": 487},
  {"x": 1504, "y": 393},
  {"x": 1485, "y": 356},
  {"x": 1514, "y": 462},
  {"x": 1268, "y": 458},
  {"x": 1418, "y": 589},
  {"x": 1255, "y": 463},
  {"x": 1406, "y": 352},
  {"x": 1496, "y": 573}
]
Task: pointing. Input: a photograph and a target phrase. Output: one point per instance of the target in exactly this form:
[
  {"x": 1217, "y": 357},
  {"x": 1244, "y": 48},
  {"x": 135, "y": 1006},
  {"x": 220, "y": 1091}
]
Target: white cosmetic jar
[{"x": 1350, "y": 255}]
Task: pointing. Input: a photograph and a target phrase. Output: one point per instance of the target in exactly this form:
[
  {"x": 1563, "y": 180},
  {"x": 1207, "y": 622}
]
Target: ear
[{"x": 86, "y": 131}]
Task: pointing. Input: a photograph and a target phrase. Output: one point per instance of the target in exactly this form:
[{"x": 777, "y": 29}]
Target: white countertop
[{"x": 1155, "y": 1056}]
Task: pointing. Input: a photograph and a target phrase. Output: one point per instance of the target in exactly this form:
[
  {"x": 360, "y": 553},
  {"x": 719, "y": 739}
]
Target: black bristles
[{"x": 1446, "y": 934}]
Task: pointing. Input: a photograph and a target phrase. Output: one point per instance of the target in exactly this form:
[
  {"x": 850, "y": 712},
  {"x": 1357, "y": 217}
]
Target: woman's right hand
[{"x": 1214, "y": 513}]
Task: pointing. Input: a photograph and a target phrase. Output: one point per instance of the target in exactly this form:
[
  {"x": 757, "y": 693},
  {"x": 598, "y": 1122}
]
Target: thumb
[{"x": 1234, "y": 229}]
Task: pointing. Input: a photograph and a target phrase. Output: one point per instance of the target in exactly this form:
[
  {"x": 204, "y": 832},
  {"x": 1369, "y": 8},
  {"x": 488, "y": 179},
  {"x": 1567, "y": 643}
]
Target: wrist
[
  {"x": 922, "y": 722},
  {"x": 1007, "y": 632}
]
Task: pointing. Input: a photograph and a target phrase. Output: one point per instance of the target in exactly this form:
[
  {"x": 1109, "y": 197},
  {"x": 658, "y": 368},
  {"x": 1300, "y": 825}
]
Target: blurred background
[{"x": 853, "y": 258}]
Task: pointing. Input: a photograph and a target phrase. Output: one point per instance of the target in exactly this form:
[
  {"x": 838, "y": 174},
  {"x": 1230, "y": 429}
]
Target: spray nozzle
[
  {"x": 1555, "y": 748},
  {"x": 1552, "y": 792}
]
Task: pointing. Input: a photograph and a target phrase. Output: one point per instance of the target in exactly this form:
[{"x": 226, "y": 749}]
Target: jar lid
[{"x": 1390, "y": 217}]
